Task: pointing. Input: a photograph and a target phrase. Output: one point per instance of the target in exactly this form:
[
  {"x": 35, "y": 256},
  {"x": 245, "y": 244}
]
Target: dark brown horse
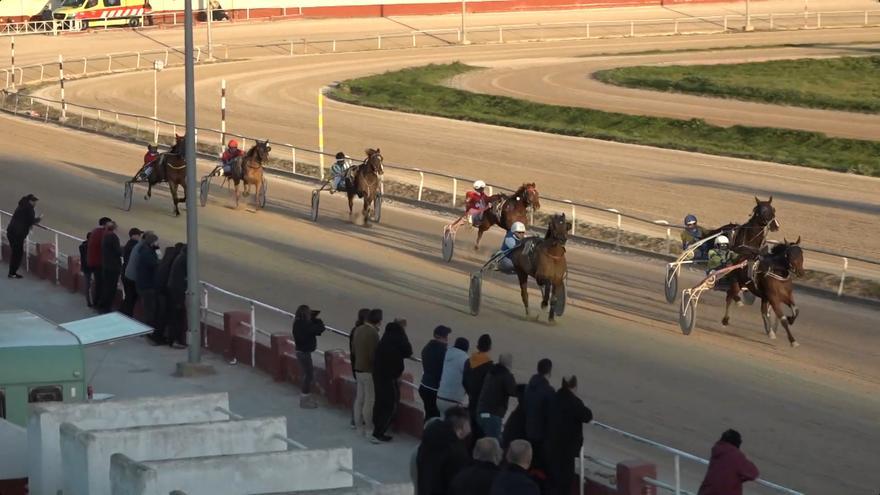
[
  {"x": 171, "y": 167},
  {"x": 365, "y": 182},
  {"x": 545, "y": 262},
  {"x": 509, "y": 209},
  {"x": 772, "y": 282},
  {"x": 251, "y": 173}
]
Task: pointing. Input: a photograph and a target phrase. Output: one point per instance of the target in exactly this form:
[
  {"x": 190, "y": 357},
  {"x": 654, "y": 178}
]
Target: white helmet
[
  {"x": 518, "y": 228},
  {"x": 722, "y": 240},
  {"x": 479, "y": 184}
]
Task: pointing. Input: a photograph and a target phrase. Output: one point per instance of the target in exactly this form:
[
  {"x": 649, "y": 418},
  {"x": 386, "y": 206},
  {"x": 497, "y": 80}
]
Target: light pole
[
  {"x": 464, "y": 40},
  {"x": 158, "y": 65}
]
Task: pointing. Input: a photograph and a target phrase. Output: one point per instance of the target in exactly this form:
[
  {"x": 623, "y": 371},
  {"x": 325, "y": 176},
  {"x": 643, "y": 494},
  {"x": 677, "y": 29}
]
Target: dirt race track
[{"x": 809, "y": 416}]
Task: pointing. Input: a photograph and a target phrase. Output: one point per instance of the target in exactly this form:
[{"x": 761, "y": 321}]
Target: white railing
[
  {"x": 39, "y": 27},
  {"x": 305, "y": 162}
]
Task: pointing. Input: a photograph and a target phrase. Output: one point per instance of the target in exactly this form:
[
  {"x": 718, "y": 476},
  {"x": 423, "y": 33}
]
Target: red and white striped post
[
  {"x": 12, "y": 54},
  {"x": 222, "y": 113},
  {"x": 61, "y": 80}
]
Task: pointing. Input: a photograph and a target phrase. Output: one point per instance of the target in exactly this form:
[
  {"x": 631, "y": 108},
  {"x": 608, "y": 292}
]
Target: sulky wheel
[
  {"x": 448, "y": 245},
  {"x": 377, "y": 208},
  {"x": 261, "y": 198},
  {"x": 204, "y": 187},
  {"x": 475, "y": 293},
  {"x": 671, "y": 283},
  {"x": 316, "y": 200},
  {"x": 687, "y": 313},
  {"x": 127, "y": 193}
]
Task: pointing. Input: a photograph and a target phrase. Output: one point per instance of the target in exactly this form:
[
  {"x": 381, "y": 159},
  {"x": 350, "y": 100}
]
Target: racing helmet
[
  {"x": 153, "y": 147},
  {"x": 722, "y": 241},
  {"x": 340, "y": 155},
  {"x": 233, "y": 143},
  {"x": 518, "y": 228},
  {"x": 690, "y": 220},
  {"x": 479, "y": 184}
]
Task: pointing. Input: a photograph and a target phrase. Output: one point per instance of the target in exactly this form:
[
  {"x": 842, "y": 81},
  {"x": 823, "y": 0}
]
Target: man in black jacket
[
  {"x": 433, "y": 355},
  {"x": 514, "y": 478},
  {"x": 539, "y": 394},
  {"x": 565, "y": 436},
  {"x": 130, "y": 292},
  {"x": 18, "y": 229},
  {"x": 477, "y": 478},
  {"x": 442, "y": 452},
  {"x": 145, "y": 267},
  {"x": 475, "y": 370},
  {"x": 111, "y": 267},
  {"x": 497, "y": 389},
  {"x": 176, "y": 291},
  {"x": 306, "y": 329},
  {"x": 388, "y": 365},
  {"x": 163, "y": 304}
]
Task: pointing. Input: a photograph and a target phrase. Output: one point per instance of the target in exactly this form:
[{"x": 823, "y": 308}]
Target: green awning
[{"x": 105, "y": 328}]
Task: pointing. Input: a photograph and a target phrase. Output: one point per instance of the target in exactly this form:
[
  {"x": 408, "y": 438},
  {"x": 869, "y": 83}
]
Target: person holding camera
[{"x": 306, "y": 328}]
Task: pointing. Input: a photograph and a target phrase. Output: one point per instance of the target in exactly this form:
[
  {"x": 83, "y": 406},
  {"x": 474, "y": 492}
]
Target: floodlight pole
[{"x": 193, "y": 308}]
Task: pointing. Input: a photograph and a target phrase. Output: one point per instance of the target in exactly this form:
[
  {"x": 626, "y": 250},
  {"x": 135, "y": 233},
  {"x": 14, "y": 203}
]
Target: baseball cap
[{"x": 442, "y": 331}]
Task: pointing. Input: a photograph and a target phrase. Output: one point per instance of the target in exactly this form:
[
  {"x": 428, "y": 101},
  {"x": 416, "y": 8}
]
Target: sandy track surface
[
  {"x": 809, "y": 415},
  {"x": 570, "y": 83},
  {"x": 276, "y": 98}
]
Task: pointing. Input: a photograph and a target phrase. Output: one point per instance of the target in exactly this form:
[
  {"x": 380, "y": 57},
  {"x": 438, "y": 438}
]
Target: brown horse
[
  {"x": 509, "y": 209},
  {"x": 365, "y": 182},
  {"x": 772, "y": 282},
  {"x": 544, "y": 260},
  {"x": 171, "y": 167},
  {"x": 250, "y": 170}
]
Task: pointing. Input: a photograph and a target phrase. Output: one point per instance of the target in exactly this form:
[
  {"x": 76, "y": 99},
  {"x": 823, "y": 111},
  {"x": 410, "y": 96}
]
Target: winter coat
[
  {"x": 147, "y": 265},
  {"x": 126, "y": 253},
  {"x": 441, "y": 456},
  {"x": 514, "y": 427},
  {"x": 305, "y": 334},
  {"x": 111, "y": 252},
  {"x": 134, "y": 260},
  {"x": 728, "y": 470},
  {"x": 514, "y": 480},
  {"x": 84, "y": 256},
  {"x": 452, "y": 380},
  {"x": 497, "y": 389},
  {"x": 475, "y": 370},
  {"x": 433, "y": 355},
  {"x": 23, "y": 219},
  {"x": 163, "y": 272},
  {"x": 364, "y": 341},
  {"x": 177, "y": 279},
  {"x": 93, "y": 252},
  {"x": 537, "y": 400},
  {"x": 392, "y": 350},
  {"x": 565, "y": 427},
  {"x": 475, "y": 479}
]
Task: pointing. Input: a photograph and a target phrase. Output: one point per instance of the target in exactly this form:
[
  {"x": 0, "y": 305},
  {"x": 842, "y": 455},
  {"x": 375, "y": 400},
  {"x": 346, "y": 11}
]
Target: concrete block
[
  {"x": 630, "y": 476},
  {"x": 234, "y": 329},
  {"x": 70, "y": 275},
  {"x": 44, "y": 439},
  {"x": 281, "y": 345},
  {"x": 276, "y": 472},
  {"x": 86, "y": 454},
  {"x": 45, "y": 265}
]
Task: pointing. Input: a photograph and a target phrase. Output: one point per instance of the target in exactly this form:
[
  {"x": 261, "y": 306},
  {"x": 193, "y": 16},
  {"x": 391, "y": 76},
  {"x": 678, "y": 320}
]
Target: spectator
[
  {"x": 111, "y": 266},
  {"x": 728, "y": 468},
  {"x": 147, "y": 263},
  {"x": 129, "y": 290},
  {"x": 433, "y": 355},
  {"x": 539, "y": 394},
  {"x": 514, "y": 478},
  {"x": 442, "y": 453},
  {"x": 451, "y": 391},
  {"x": 361, "y": 318},
  {"x": 564, "y": 436},
  {"x": 163, "y": 306},
  {"x": 477, "y": 478},
  {"x": 306, "y": 329},
  {"x": 388, "y": 366},
  {"x": 23, "y": 219},
  {"x": 366, "y": 339},
  {"x": 176, "y": 290},
  {"x": 95, "y": 258},
  {"x": 515, "y": 426},
  {"x": 133, "y": 262},
  {"x": 474, "y": 374},
  {"x": 84, "y": 268},
  {"x": 498, "y": 387}
]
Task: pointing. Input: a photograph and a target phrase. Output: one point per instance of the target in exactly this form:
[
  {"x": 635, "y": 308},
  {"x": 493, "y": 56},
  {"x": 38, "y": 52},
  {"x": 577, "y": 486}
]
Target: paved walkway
[{"x": 132, "y": 368}]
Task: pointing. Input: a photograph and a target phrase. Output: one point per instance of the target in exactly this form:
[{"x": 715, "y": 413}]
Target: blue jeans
[
  {"x": 491, "y": 425},
  {"x": 505, "y": 265}
]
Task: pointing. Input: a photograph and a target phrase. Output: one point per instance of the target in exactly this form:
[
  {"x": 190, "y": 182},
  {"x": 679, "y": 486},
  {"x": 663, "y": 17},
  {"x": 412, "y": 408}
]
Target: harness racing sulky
[
  {"x": 363, "y": 181},
  {"x": 243, "y": 169},
  {"x": 158, "y": 167}
]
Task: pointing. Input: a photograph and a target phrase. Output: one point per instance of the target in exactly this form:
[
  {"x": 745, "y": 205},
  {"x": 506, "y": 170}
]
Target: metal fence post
[
  {"x": 818, "y": 20},
  {"x": 334, "y": 46},
  {"x": 205, "y": 315},
  {"x": 668, "y": 240},
  {"x": 677, "y": 475},
  {"x": 588, "y": 30},
  {"x": 253, "y": 336},
  {"x": 676, "y": 27},
  {"x": 866, "y": 18},
  {"x": 421, "y": 184},
  {"x": 138, "y": 64},
  {"x": 291, "y": 48},
  {"x": 414, "y": 40},
  {"x": 293, "y": 160},
  {"x": 56, "y": 258},
  {"x": 85, "y": 66},
  {"x": 842, "y": 277},
  {"x": 771, "y": 21},
  {"x": 725, "y": 24},
  {"x": 27, "y": 253},
  {"x": 581, "y": 470},
  {"x": 109, "y": 62},
  {"x": 454, "y": 191},
  {"x": 632, "y": 29},
  {"x": 501, "y": 32},
  {"x": 379, "y": 39}
]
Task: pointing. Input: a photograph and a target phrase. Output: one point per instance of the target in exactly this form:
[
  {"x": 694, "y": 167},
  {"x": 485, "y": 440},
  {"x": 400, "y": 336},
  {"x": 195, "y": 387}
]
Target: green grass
[
  {"x": 421, "y": 90},
  {"x": 846, "y": 83}
]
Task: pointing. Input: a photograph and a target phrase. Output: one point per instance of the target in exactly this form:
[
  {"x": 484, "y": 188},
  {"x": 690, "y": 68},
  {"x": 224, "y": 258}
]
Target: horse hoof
[
  {"x": 740, "y": 304},
  {"x": 772, "y": 335},
  {"x": 725, "y": 321},
  {"x": 795, "y": 344},
  {"x": 551, "y": 322},
  {"x": 543, "y": 305}
]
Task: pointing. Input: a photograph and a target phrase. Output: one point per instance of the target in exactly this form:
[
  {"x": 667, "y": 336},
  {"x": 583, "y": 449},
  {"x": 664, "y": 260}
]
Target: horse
[
  {"x": 772, "y": 282},
  {"x": 545, "y": 262},
  {"x": 511, "y": 209},
  {"x": 171, "y": 167},
  {"x": 249, "y": 169},
  {"x": 365, "y": 182}
]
